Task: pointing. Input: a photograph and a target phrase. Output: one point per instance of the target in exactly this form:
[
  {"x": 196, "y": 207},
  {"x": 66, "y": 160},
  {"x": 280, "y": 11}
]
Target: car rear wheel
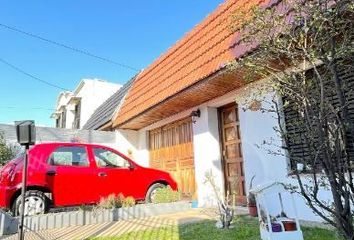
[
  {"x": 35, "y": 203},
  {"x": 150, "y": 195}
]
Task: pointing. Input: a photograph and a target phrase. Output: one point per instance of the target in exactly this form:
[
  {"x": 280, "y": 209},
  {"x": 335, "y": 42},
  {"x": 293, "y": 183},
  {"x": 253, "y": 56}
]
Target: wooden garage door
[{"x": 171, "y": 149}]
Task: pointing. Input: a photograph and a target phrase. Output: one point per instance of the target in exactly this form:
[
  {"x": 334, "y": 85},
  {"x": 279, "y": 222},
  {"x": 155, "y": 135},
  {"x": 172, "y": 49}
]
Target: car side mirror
[{"x": 131, "y": 167}]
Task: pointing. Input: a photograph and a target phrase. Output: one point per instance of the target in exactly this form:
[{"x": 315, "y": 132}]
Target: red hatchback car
[{"x": 69, "y": 174}]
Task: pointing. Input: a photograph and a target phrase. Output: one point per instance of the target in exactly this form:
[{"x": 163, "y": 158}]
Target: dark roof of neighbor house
[
  {"x": 105, "y": 112},
  {"x": 203, "y": 51}
]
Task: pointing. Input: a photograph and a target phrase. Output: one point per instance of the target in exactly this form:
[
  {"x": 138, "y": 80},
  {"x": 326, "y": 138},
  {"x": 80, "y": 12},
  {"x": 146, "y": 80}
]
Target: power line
[
  {"x": 30, "y": 75},
  {"x": 69, "y": 47},
  {"x": 27, "y": 108}
]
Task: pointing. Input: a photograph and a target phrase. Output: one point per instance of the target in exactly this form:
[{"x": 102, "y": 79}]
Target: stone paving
[{"x": 121, "y": 227}]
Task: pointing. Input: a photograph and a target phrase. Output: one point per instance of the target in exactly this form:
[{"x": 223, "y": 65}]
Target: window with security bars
[{"x": 299, "y": 133}]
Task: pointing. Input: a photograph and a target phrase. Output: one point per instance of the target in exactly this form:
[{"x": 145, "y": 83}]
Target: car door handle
[
  {"x": 51, "y": 173},
  {"x": 102, "y": 174}
]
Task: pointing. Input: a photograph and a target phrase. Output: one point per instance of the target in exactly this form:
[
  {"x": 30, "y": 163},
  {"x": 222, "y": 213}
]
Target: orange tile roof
[{"x": 200, "y": 53}]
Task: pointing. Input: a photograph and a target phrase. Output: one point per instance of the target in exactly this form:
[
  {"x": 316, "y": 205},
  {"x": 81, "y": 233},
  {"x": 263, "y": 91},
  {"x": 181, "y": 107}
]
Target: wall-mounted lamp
[{"x": 195, "y": 114}]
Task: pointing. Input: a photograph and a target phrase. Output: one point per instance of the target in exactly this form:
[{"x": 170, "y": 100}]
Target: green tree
[
  {"x": 303, "y": 47},
  {"x": 7, "y": 152}
]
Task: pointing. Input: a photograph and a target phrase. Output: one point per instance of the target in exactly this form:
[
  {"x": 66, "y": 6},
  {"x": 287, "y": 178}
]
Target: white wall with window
[{"x": 79, "y": 105}]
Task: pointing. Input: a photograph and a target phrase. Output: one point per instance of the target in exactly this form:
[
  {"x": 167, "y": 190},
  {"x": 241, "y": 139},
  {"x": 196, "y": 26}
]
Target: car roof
[{"x": 70, "y": 144}]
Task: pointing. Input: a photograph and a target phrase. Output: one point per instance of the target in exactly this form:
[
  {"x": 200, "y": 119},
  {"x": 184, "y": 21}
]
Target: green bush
[
  {"x": 7, "y": 152},
  {"x": 112, "y": 201},
  {"x": 129, "y": 202},
  {"x": 166, "y": 195}
]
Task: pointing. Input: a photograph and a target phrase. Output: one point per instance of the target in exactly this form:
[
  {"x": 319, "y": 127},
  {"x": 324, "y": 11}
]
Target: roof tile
[{"x": 200, "y": 53}]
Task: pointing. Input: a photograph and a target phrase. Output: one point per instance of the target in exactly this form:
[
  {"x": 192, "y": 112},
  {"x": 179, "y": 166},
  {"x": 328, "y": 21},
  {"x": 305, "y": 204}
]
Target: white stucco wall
[
  {"x": 126, "y": 142},
  {"x": 207, "y": 156},
  {"x": 257, "y": 127},
  {"x": 259, "y": 143},
  {"x": 142, "y": 156},
  {"x": 133, "y": 144},
  {"x": 70, "y": 117}
]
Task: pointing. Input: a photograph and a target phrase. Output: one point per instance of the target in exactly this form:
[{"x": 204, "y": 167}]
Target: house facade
[
  {"x": 188, "y": 114},
  {"x": 73, "y": 109}
]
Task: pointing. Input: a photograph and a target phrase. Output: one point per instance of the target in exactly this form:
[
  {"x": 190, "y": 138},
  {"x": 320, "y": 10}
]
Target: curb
[{"x": 9, "y": 225}]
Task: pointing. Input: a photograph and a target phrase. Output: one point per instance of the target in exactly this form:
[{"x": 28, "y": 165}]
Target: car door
[
  {"x": 116, "y": 174},
  {"x": 71, "y": 176}
]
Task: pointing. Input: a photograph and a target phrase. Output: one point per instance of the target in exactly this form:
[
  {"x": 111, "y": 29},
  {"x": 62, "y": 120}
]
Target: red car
[{"x": 69, "y": 174}]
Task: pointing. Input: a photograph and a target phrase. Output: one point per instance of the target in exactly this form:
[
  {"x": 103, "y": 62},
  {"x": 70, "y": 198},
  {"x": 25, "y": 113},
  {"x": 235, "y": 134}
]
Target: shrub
[
  {"x": 129, "y": 202},
  {"x": 166, "y": 195},
  {"x": 7, "y": 151},
  {"x": 113, "y": 201},
  {"x": 108, "y": 202},
  {"x": 119, "y": 200}
]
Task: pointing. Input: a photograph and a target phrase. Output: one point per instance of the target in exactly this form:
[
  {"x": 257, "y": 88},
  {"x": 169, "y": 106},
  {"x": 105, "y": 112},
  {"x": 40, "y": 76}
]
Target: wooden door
[
  {"x": 171, "y": 150},
  {"x": 232, "y": 152}
]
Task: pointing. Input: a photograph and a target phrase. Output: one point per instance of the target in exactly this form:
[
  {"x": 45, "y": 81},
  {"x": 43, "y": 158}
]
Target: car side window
[
  {"x": 107, "y": 158},
  {"x": 69, "y": 156}
]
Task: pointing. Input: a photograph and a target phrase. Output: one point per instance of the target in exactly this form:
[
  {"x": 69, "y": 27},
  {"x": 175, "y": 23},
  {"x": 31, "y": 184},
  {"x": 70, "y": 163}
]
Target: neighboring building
[
  {"x": 73, "y": 109},
  {"x": 61, "y": 109},
  {"x": 184, "y": 114},
  {"x": 102, "y": 117}
]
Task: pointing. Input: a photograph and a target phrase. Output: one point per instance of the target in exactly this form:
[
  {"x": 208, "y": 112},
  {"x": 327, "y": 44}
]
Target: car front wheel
[{"x": 35, "y": 203}]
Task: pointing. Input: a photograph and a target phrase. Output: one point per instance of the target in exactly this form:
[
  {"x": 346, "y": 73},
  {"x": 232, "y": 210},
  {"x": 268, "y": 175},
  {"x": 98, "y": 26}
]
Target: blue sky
[{"x": 131, "y": 32}]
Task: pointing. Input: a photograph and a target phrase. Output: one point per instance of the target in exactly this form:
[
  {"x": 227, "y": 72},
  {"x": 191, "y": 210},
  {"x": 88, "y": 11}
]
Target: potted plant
[{"x": 251, "y": 201}]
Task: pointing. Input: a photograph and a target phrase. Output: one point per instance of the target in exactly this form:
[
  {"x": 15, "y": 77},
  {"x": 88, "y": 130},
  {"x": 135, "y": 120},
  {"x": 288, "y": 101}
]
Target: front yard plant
[
  {"x": 166, "y": 195},
  {"x": 128, "y": 202},
  {"x": 7, "y": 151},
  {"x": 116, "y": 201},
  {"x": 225, "y": 203}
]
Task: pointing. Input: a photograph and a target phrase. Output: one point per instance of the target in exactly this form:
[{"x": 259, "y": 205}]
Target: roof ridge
[
  {"x": 202, "y": 52},
  {"x": 170, "y": 65},
  {"x": 138, "y": 87},
  {"x": 188, "y": 36}
]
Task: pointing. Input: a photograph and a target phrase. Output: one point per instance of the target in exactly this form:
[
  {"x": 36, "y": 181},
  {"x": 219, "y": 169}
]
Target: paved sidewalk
[{"x": 121, "y": 227}]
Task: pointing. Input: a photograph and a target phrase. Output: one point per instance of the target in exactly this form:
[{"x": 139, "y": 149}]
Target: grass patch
[{"x": 245, "y": 229}]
